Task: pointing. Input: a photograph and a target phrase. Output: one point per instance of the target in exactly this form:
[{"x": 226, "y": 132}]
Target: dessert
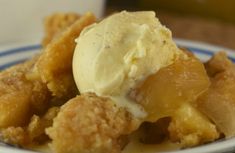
[
  {"x": 133, "y": 60},
  {"x": 218, "y": 103},
  {"x": 55, "y": 24},
  {"x": 21, "y": 96},
  {"x": 102, "y": 126},
  {"x": 54, "y": 65},
  {"x": 123, "y": 84},
  {"x": 26, "y": 89},
  {"x": 121, "y": 51}
]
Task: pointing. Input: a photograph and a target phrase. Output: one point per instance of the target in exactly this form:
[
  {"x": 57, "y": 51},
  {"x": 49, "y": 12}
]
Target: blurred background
[
  {"x": 211, "y": 21},
  {"x": 22, "y": 20}
]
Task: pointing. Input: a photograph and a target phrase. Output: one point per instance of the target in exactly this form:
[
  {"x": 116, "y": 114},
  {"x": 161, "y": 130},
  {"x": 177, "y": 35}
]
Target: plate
[{"x": 17, "y": 53}]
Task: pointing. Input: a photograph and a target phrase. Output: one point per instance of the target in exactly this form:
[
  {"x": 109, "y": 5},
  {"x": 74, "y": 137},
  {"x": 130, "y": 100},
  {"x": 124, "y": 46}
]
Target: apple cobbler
[{"x": 151, "y": 91}]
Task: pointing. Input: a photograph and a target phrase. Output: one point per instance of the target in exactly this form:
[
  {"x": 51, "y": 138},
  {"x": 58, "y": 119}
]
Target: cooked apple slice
[{"x": 163, "y": 92}]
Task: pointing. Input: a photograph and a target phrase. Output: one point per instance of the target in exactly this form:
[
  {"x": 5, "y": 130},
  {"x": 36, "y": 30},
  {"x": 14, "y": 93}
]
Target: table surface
[{"x": 196, "y": 28}]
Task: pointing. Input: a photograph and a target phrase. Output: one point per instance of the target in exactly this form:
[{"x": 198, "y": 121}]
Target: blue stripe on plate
[
  {"x": 202, "y": 51},
  {"x": 20, "y": 49},
  {"x": 4, "y": 66},
  {"x": 37, "y": 46}
]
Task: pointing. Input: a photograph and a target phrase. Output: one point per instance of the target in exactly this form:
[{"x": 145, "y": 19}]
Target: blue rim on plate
[
  {"x": 12, "y": 55},
  {"x": 202, "y": 50},
  {"x": 17, "y": 52}
]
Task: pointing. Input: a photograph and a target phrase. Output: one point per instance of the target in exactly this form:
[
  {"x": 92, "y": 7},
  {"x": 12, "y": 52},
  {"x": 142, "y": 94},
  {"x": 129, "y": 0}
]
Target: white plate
[{"x": 13, "y": 54}]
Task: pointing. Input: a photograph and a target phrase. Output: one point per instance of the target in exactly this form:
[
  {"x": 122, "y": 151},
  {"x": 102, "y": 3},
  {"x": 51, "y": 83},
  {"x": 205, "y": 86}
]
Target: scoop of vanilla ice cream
[{"x": 112, "y": 56}]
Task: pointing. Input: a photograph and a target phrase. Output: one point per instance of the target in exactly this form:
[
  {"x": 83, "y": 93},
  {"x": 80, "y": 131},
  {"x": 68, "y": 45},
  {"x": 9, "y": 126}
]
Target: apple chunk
[{"x": 163, "y": 92}]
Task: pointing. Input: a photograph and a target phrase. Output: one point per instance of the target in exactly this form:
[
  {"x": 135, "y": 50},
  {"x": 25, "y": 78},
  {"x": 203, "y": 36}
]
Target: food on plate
[
  {"x": 54, "y": 66},
  {"x": 132, "y": 53},
  {"x": 121, "y": 51},
  {"x": 24, "y": 91},
  {"x": 218, "y": 102},
  {"x": 124, "y": 81},
  {"x": 55, "y": 24},
  {"x": 21, "y": 97},
  {"x": 31, "y": 134},
  {"x": 190, "y": 127},
  {"x": 101, "y": 126},
  {"x": 184, "y": 80}
]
